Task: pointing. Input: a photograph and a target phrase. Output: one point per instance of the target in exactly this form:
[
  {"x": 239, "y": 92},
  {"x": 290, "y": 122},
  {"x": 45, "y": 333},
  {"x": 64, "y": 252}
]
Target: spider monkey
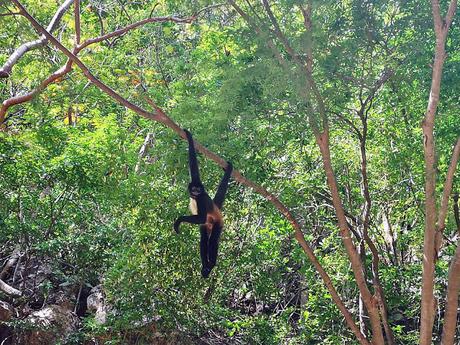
[{"x": 205, "y": 211}]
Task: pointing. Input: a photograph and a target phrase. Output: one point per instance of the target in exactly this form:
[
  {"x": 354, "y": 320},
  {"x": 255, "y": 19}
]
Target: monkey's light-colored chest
[
  {"x": 193, "y": 206},
  {"x": 211, "y": 218}
]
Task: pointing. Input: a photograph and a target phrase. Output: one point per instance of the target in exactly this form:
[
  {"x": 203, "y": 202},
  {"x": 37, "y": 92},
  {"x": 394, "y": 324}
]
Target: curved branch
[
  {"x": 28, "y": 96},
  {"x": 160, "y": 116},
  {"x": 9, "y": 290},
  {"x": 5, "y": 70}
]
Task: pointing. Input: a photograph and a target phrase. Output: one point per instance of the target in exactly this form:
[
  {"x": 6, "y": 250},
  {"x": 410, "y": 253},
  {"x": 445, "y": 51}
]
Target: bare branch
[
  {"x": 322, "y": 139},
  {"x": 436, "y": 17},
  {"x": 387, "y": 74},
  {"x": 453, "y": 288},
  {"x": 306, "y": 13},
  {"x": 450, "y": 14},
  {"x": 77, "y": 22},
  {"x": 132, "y": 26},
  {"x": 446, "y": 195},
  {"x": 160, "y": 116},
  {"x": 5, "y": 70},
  {"x": 456, "y": 213},
  {"x": 308, "y": 69},
  {"x": 206, "y": 9},
  {"x": 349, "y": 123},
  {"x": 366, "y": 212},
  {"x": 9, "y": 290}
]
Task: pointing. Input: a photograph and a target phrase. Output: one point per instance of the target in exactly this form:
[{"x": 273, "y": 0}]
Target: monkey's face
[{"x": 195, "y": 190}]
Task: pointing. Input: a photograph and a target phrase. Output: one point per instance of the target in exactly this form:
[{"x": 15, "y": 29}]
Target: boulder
[
  {"x": 6, "y": 313},
  {"x": 49, "y": 325},
  {"x": 96, "y": 303}
]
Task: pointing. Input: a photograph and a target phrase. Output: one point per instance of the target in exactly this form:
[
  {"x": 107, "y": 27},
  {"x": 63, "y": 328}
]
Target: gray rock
[{"x": 48, "y": 326}]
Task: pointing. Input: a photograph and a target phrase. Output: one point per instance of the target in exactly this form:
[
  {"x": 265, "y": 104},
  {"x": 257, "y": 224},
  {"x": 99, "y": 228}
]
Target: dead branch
[
  {"x": 9, "y": 290},
  {"x": 10, "y": 263},
  {"x": 143, "y": 151},
  {"x": 5, "y": 70}
]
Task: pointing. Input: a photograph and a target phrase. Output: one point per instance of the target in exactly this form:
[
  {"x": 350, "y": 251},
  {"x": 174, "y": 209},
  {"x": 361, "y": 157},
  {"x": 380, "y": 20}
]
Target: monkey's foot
[{"x": 205, "y": 272}]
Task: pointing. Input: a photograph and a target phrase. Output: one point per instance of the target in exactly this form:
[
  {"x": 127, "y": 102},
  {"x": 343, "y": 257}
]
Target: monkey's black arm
[
  {"x": 223, "y": 186},
  {"x": 196, "y": 219},
  {"x": 193, "y": 164}
]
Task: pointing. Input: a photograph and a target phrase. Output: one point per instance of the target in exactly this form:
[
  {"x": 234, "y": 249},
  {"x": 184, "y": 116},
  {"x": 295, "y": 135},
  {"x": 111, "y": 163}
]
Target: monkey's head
[{"x": 195, "y": 190}]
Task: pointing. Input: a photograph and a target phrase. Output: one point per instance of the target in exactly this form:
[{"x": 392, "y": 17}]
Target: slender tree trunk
[
  {"x": 428, "y": 304},
  {"x": 369, "y": 300},
  {"x": 453, "y": 288}
]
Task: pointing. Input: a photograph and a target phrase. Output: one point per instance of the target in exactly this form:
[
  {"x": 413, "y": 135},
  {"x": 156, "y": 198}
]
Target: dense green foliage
[{"x": 70, "y": 192}]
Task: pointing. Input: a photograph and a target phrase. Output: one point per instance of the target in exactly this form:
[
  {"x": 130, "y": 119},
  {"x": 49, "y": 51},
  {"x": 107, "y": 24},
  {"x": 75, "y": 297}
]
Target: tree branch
[
  {"x": 436, "y": 17},
  {"x": 270, "y": 43},
  {"x": 12, "y": 260},
  {"x": 450, "y": 14},
  {"x": 278, "y": 31},
  {"x": 77, "y": 22},
  {"x": 28, "y": 96},
  {"x": 10, "y": 14},
  {"x": 456, "y": 213},
  {"x": 428, "y": 303},
  {"x": 446, "y": 195},
  {"x": 322, "y": 139},
  {"x": 132, "y": 26},
  {"x": 5, "y": 70},
  {"x": 9, "y": 290},
  {"x": 453, "y": 288}
]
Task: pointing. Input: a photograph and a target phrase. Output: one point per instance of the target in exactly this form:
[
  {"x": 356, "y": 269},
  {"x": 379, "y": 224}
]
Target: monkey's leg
[
  {"x": 213, "y": 246},
  {"x": 204, "y": 251},
  {"x": 223, "y": 186}
]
